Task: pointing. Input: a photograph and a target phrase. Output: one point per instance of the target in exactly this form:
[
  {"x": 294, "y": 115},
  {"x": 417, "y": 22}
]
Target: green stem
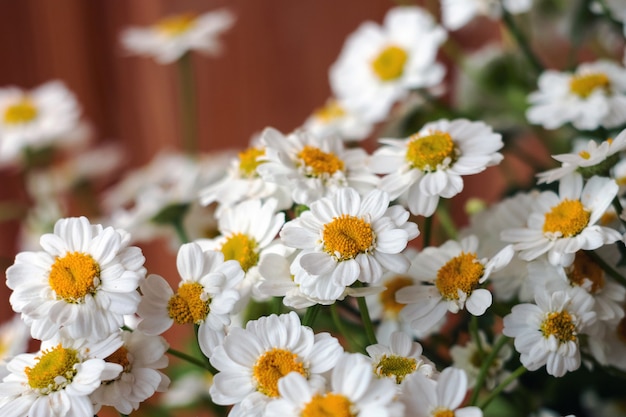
[
  {"x": 310, "y": 315},
  {"x": 484, "y": 369},
  {"x": 195, "y": 361},
  {"x": 188, "y": 104},
  {"x": 617, "y": 205},
  {"x": 607, "y": 268},
  {"x": 180, "y": 230},
  {"x": 365, "y": 317},
  {"x": 497, "y": 390},
  {"x": 521, "y": 41},
  {"x": 476, "y": 336},
  {"x": 342, "y": 329},
  {"x": 446, "y": 221},
  {"x": 427, "y": 232}
]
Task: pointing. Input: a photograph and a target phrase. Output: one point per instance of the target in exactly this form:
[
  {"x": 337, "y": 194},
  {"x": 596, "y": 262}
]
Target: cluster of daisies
[{"x": 309, "y": 221}]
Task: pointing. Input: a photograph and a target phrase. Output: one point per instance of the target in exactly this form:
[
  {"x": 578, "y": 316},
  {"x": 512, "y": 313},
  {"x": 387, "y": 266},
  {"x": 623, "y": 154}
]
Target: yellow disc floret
[
  {"x": 585, "y": 84},
  {"x": 249, "y": 161},
  {"x": 443, "y": 412},
  {"x": 331, "y": 111},
  {"x": 347, "y": 236},
  {"x": 388, "y": 296},
  {"x": 568, "y": 218},
  {"x": 585, "y": 268},
  {"x": 397, "y": 366},
  {"x": 273, "y": 365},
  {"x": 462, "y": 273},
  {"x": 74, "y": 276},
  {"x": 319, "y": 163},
  {"x": 242, "y": 248},
  {"x": 428, "y": 152},
  {"x": 560, "y": 325},
  {"x": 55, "y": 369},
  {"x": 176, "y": 25},
  {"x": 189, "y": 305},
  {"x": 328, "y": 405},
  {"x": 22, "y": 112},
  {"x": 389, "y": 64}
]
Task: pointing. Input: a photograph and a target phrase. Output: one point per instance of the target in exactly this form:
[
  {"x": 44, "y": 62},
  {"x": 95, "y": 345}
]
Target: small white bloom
[
  {"x": 457, "y": 13},
  {"x": 334, "y": 120},
  {"x": 14, "y": 337}
]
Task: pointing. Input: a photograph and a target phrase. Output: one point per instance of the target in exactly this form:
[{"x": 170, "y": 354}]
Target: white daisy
[
  {"x": 334, "y": 120},
  {"x": 14, "y": 338},
  {"x": 451, "y": 277},
  {"x": 252, "y": 361},
  {"x": 560, "y": 225},
  {"x": 354, "y": 391},
  {"x": 140, "y": 357},
  {"x": 594, "y": 96},
  {"x": 313, "y": 167},
  {"x": 345, "y": 238},
  {"x": 84, "y": 281},
  {"x": 430, "y": 164},
  {"x": 457, "y": 13},
  {"x": 206, "y": 296},
  {"x": 547, "y": 333},
  {"x": 170, "y": 38},
  {"x": 58, "y": 380},
  {"x": 379, "y": 65},
  {"x": 607, "y": 343}
]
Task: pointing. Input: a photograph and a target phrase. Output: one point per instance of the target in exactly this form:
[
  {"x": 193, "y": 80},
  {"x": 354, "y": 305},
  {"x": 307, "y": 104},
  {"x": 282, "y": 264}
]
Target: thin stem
[
  {"x": 310, "y": 315},
  {"x": 617, "y": 205},
  {"x": 188, "y": 104},
  {"x": 446, "y": 221},
  {"x": 365, "y": 317},
  {"x": 427, "y": 232},
  {"x": 342, "y": 329},
  {"x": 484, "y": 369},
  {"x": 607, "y": 268},
  {"x": 475, "y": 335},
  {"x": 195, "y": 361},
  {"x": 180, "y": 230},
  {"x": 521, "y": 40},
  {"x": 497, "y": 390}
]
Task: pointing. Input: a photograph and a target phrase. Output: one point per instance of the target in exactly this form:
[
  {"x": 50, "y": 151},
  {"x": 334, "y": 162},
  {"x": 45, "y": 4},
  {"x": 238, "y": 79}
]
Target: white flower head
[
  {"x": 84, "y": 281},
  {"x": 594, "y": 96},
  {"x": 334, "y": 120},
  {"x": 431, "y": 163},
  {"x": 379, "y": 65},
  {"x": 14, "y": 337},
  {"x": 170, "y": 38},
  {"x": 560, "y": 225},
  {"x": 457, "y": 13}
]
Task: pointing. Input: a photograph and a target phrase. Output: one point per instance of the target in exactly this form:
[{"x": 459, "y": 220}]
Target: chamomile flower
[
  {"x": 334, "y": 120},
  {"x": 171, "y": 37},
  {"x": 457, "y": 13},
  {"x": 206, "y": 296},
  {"x": 58, "y": 380},
  {"x": 451, "y": 277},
  {"x": 14, "y": 337},
  {"x": 84, "y": 281},
  {"x": 354, "y": 391},
  {"x": 594, "y": 96},
  {"x": 547, "y": 332},
  {"x": 345, "y": 238},
  {"x": 252, "y": 361},
  {"x": 313, "y": 167},
  {"x": 379, "y": 65},
  {"x": 560, "y": 225},
  {"x": 431, "y": 163}
]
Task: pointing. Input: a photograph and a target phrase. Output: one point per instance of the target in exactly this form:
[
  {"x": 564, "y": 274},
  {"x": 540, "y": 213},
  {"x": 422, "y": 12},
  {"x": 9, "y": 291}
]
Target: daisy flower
[
  {"x": 547, "y": 332},
  {"x": 44, "y": 116},
  {"x": 84, "y": 281},
  {"x": 140, "y": 357},
  {"x": 252, "y": 361},
  {"x": 561, "y": 225},
  {"x": 431, "y": 163},
  {"x": 14, "y": 338},
  {"x": 334, "y": 120},
  {"x": 206, "y": 296},
  {"x": 379, "y": 65},
  {"x": 354, "y": 391},
  {"x": 345, "y": 238},
  {"x": 171, "y": 37},
  {"x": 313, "y": 167},
  {"x": 457, "y": 13},
  {"x": 607, "y": 342},
  {"x": 58, "y": 380},
  {"x": 424, "y": 397},
  {"x": 594, "y": 96}
]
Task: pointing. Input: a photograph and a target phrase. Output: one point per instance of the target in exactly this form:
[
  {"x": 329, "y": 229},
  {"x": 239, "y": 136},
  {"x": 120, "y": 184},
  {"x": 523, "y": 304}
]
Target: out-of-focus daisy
[
  {"x": 14, "y": 337},
  {"x": 457, "y": 13},
  {"x": 547, "y": 333},
  {"x": 171, "y": 37},
  {"x": 206, "y": 296},
  {"x": 252, "y": 361},
  {"x": 451, "y": 277},
  {"x": 140, "y": 357},
  {"x": 615, "y": 8},
  {"x": 313, "y": 167},
  {"x": 424, "y": 397},
  {"x": 58, "y": 380},
  {"x": 345, "y": 238},
  {"x": 607, "y": 342},
  {"x": 334, "y": 120},
  {"x": 560, "y": 225},
  {"x": 379, "y": 65},
  {"x": 594, "y": 96},
  {"x": 431, "y": 163},
  {"x": 354, "y": 391},
  {"x": 45, "y": 116},
  {"x": 84, "y": 281}
]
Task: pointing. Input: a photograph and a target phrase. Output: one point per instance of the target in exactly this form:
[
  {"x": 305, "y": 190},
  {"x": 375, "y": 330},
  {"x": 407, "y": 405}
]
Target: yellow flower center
[
  {"x": 560, "y": 325},
  {"x": 585, "y": 268},
  {"x": 347, "y": 236},
  {"x": 187, "y": 305},
  {"x": 428, "y": 152},
  {"x": 21, "y": 112},
  {"x": 241, "y": 248},
  {"x": 397, "y": 366},
  {"x": 584, "y": 85},
  {"x": 328, "y": 405},
  {"x": 74, "y": 276},
  {"x": 388, "y": 296},
  {"x": 331, "y": 111},
  {"x": 584, "y": 154},
  {"x": 54, "y": 369},
  {"x": 248, "y": 161},
  {"x": 389, "y": 64},
  {"x": 443, "y": 412},
  {"x": 318, "y": 162},
  {"x": 176, "y": 25},
  {"x": 273, "y": 365},
  {"x": 462, "y": 273},
  {"x": 568, "y": 218}
]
